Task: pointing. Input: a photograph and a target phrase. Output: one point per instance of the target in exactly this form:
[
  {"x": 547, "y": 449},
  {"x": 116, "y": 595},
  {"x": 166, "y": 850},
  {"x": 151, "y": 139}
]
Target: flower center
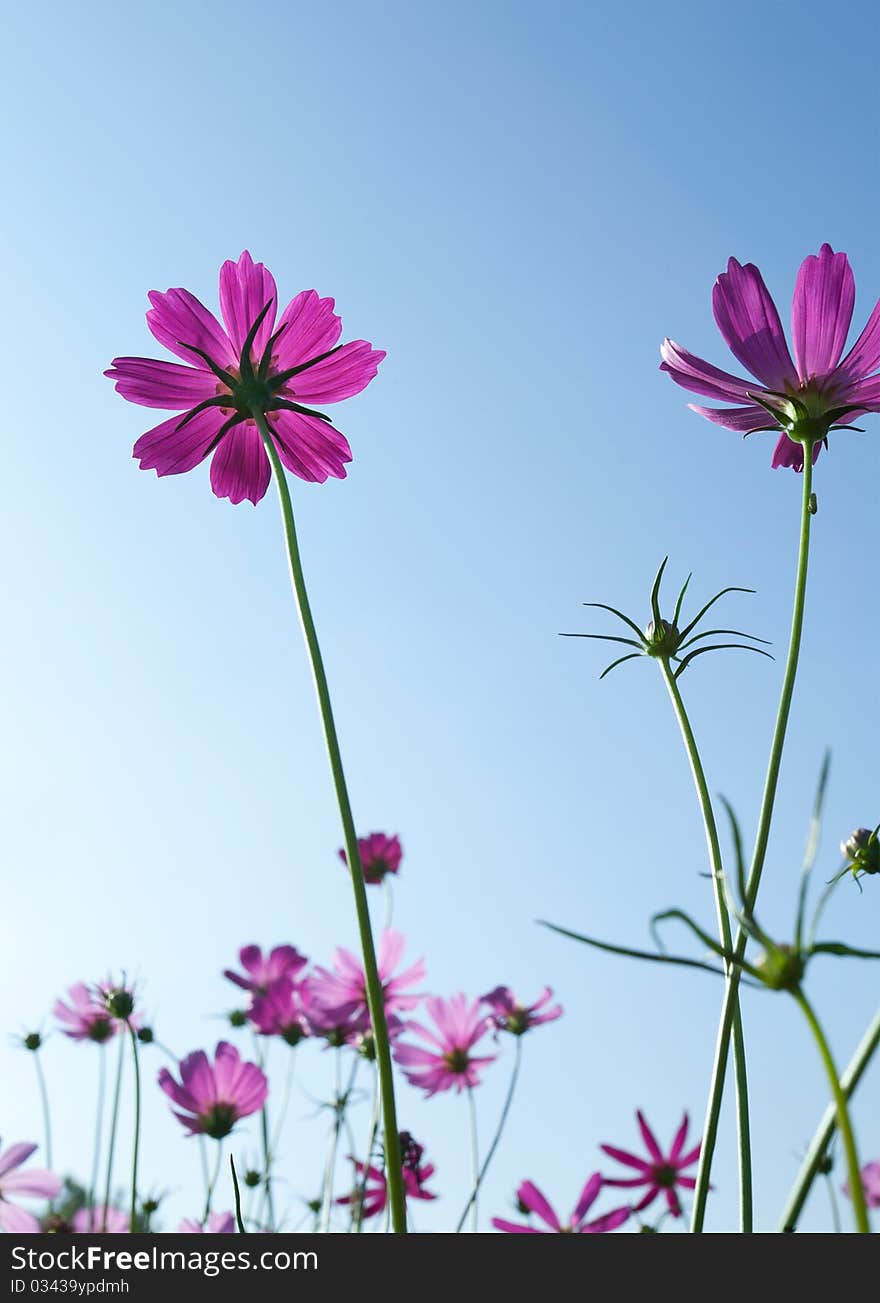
[
  {"x": 100, "y": 1030},
  {"x": 219, "y": 1120},
  {"x": 456, "y": 1061},
  {"x": 665, "y": 1176}
]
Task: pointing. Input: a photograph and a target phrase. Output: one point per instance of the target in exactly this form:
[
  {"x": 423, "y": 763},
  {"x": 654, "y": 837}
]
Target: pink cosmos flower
[
  {"x": 344, "y": 989},
  {"x": 281, "y": 1012},
  {"x": 251, "y": 365},
  {"x": 870, "y": 1184},
  {"x": 261, "y": 971},
  {"x": 218, "y": 1224},
  {"x": 531, "y": 1200},
  {"x": 91, "y": 1221},
  {"x": 660, "y": 1173},
  {"x": 379, "y": 856},
  {"x": 214, "y": 1097},
  {"x": 508, "y": 1015},
  {"x": 450, "y": 1065},
  {"x": 87, "y": 1017},
  {"x": 13, "y": 1183},
  {"x": 375, "y": 1192},
  {"x": 817, "y": 391}
]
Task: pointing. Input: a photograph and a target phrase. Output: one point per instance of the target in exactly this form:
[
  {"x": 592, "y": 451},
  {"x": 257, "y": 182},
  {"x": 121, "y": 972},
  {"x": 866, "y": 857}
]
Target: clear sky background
[{"x": 518, "y": 206}]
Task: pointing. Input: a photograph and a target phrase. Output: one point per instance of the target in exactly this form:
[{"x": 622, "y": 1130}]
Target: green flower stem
[
  {"x": 475, "y": 1161},
  {"x": 835, "y": 1212},
  {"x": 99, "y": 1126},
  {"x": 44, "y": 1100},
  {"x": 339, "y": 1102},
  {"x": 723, "y": 916},
  {"x": 731, "y": 994},
  {"x": 137, "y": 1126},
  {"x": 824, "y": 1132},
  {"x": 368, "y": 1158},
  {"x": 267, "y": 1167},
  {"x": 856, "y": 1189},
  {"x": 114, "y": 1119},
  {"x": 374, "y": 988},
  {"x": 209, "y": 1197},
  {"x": 497, "y": 1137}
]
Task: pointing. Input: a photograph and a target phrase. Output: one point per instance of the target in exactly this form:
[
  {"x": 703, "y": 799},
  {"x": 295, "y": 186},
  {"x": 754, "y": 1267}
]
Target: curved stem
[
  {"x": 99, "y": 1126},
  {"x": 497, "y": 1137},
  {"x": 44, "y": 1100},
  {"x": 239, "y": 1221},
  {"x": 137, "y": 1126},
  {"x": 114, "y": 1118},
  {"x": 731, "y": 999},
  {"x": 819, "y": 1145},
  {"x": 856, "y": 1189},
  {"x": 368, "y": 1158},
  {"x": 374, "y": 987},
  {"x": 475, "y": 1160},
  {"x": 209, "y": 1197},
  {"x": 723, "y": 917}
]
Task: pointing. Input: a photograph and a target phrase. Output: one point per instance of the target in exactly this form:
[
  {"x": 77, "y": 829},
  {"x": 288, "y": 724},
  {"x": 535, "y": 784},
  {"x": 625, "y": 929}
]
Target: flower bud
[
  {"x": 252, "y": 1178},
  {"x": 862, "y": 850},
  {"x": 662, "y": 641},
  {"x": 32, "y": 1041},
  {"x": 781, "y": 968},
  {"x": 238, "y": 1018},
  {"x": 145, "y": 1036},
  {"x": 119, "y": 1002}
]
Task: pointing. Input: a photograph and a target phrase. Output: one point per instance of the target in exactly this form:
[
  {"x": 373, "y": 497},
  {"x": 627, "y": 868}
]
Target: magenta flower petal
[
  {"x": 608, "y": 1222},
  {"x": 177, "y": 318},
  {"x": 15, "y": 1221},
  {"x": 700, "y": 377},
  {"x": 648, "y": 1136},
  {"x": 629, "y": 1160},
  {"x": 748, "y": 320},
  {"x": 245, "y": 289},
  {"x": 821, "y": 311},
  {"x": 742, "y": 419},
  {"x": 789, "y": 453},
  {"x": 161, "y": 384},
  {"x": 342, "y": 375},
  {"x": 864, "y": 356},
  {"x": 679, "y": 1139},
  {"x": 513, "y": 1229},
  {"x": 531, "y": 1197},
  {"x": 589, "y": 1194},
  {"x": 15, "y": 1155},
  {"x": 37, "y": 1182},
  {"x": 313, "y": 449},
  {"x": 312, "y": 328},
  {"x": 215, "y": 1096},
  {"x": 240, "y": 467},
  {"x": 172, "y": 448}
]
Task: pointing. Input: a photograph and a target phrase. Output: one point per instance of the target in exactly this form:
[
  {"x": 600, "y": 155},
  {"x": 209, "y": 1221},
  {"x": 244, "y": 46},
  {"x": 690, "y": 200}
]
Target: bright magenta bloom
[
  {"x": 660, "y": 1173},
  {"x": 817, "y": 390},
  {"x": 379, "y": 854},
  {"x": 218, "y": 1224},
  {"x": 89, "y": 1222},
  {"x": 214, "y": 1097},
  {"x": 281, "y": 1011},
  {"x": 344, "y": 989},
  {"x": 508, "y": 1015},
  {"x": 375, "y": 1193},
  {"x": 13, "y": 1183},
  {"x": 532, "y": 1200},
  {"x": 87, "y": 1017},
  {"x": 450, "y": 1065},
  {"x": 870, "y": 1184},
  {"x": 245, "y": 364},
  {"x": 261, "y": 971}
]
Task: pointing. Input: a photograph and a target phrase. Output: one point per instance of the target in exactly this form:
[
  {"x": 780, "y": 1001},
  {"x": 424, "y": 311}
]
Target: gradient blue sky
[{"x": 518, "y": 205}]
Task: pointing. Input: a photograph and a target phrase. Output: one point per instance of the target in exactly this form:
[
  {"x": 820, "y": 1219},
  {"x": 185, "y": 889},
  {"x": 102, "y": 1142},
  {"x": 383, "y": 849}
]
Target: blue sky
[{"x": 518, "y": 206}]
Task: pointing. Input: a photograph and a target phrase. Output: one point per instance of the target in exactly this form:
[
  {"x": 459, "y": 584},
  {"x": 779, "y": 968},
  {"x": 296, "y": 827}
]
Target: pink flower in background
[
  {"x": 215, "y": 1096},
  {"x": 260, "y": 971},
  {"x": 817, "y": 389},
  {"x": 508, "y": 1015},
  {"x": 375, "y": 1191},
  {"x": 218, "y": 1224},
  {"x": 870, "y": 1184},
  {"x": 660, "y": 1173},
  {"x": 87, "y": 1017},
  {"x": 379, "y": 856},
  {"x": 449, "y": 1065},
  {"x": 531, "y": 1199},
  {"x": 247, "y": 364},
  {"x": 14, "y": 1184},
  {"x": 100, "y": 1220},
  {"x": 281, "y": 1011},
  {"x": 344, "y": 989}
]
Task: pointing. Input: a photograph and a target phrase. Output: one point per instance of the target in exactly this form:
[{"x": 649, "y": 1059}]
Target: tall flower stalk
[
  {"x": 496, "y": 1139},
  {"x": 731, "y": 994},
  {"x": 362, "y": 909}
]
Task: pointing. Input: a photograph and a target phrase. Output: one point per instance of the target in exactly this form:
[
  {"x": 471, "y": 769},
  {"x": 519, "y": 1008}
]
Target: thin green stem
[
  {"x": 44, "y": 1100},
  {"x": 209, "y": 1197},
  {"x": 821, "y": 1140},
  {"x": 475, "y": 1160},
  {"x": 368, "y": 1158},
  {"x": 731, "y": 994},
  {"x": 723, "y": 917},
  {"x": 267, "y": 1166},
  {"x": 514, "y": 1076},
  {"x": 374, "y": 987},
  {"x": 99, "y": 1126},
  {"x": 137, "y": 1126},
  {"x": 114, "y": 1118},
  {"x": 832, "y": 1198},
  {"x": 389, "y": 903},
  {"x": 285, "y": 1101},
  {"x": 330, "y": 1169},
  {"x": 856, "y": 1189}
]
